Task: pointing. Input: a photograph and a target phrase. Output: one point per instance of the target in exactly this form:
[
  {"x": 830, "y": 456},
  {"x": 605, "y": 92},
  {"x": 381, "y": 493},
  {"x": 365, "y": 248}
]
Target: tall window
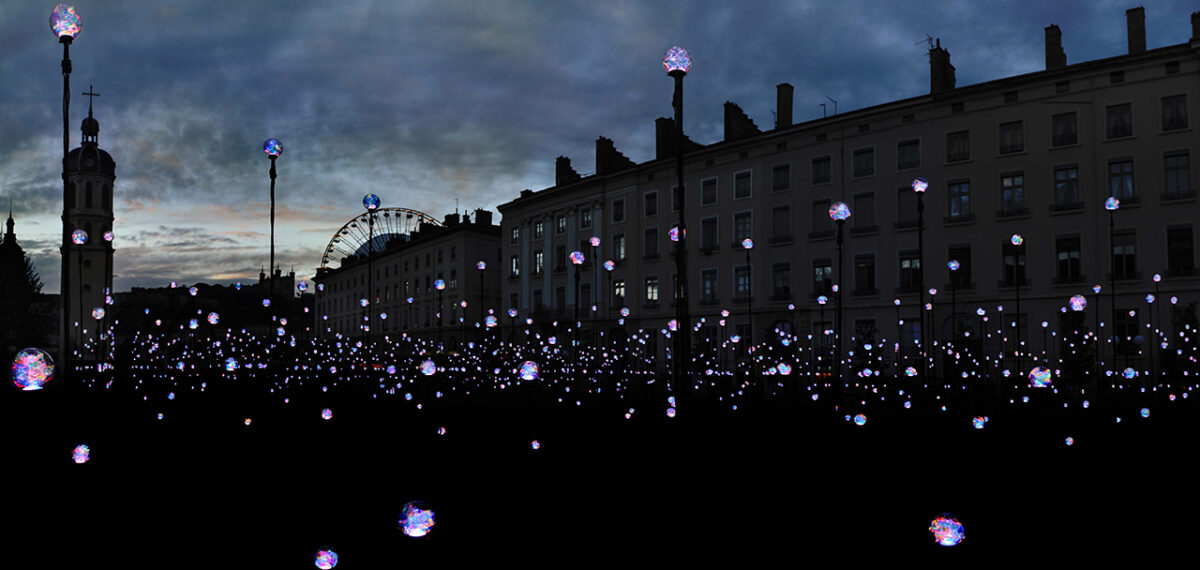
[
  {"x": 781, "y": 177},
  {"x": 538, "y": 228},
  {"x": 514, "y": 268},
  {"x": 708, "y": 286},
  {"x": 1066, "y": 187},
  {"x": 1012, "y": 137},
  {"x": 960, "y": 200},
  {"x": 560, "y": 257},
  {"x": 1064, "y": 132},
  {"x": 822, "y": 277},
  {"x": 1177, "y": 177},
  {"x": 618, "y": 292},
  {"x": 1014, "y": 263},
  {"x": 1067, "y": 255},
  {"x": 650, "y": 243},
  {"x": 708, "y": 191},
  {"x": 585, "y": 218},
  {"x": 1174, "y": 112},
  {"x": 708, "y": 233},
  {"x": 1012, "y": 194},
  {"x": 781, "y": 281},
  {"x": 742, "y": 186},
  {"x": 958, "y": 146},
  {"x": 781, "y": 223},
  {"x": 651, "y": 290},
  {"x": 741, "y": 282},
  {"x": 678, "y": 199},
  {"x": 741, "y": 227},
  {"x": 908, "y": 154},
  {"x": 864, "y": 162},
  {"x": 560, "y": 224},
  {"x": 619, "y": 247},
  {"x": 516, "y": 235},
  {"x": 864, "y": 274},
  {"x": 1120, "y": 120},
  {"x": 962, "y": 254},
  {"x": 650, "y": 204},
  {"x": 910, "y": 267},
  {"x": 864, "y": 211},
  {"x": 1179, "y": 250},
  {"x": 822, "y": 170},
  {"x": 538, "y": 261},
  {"x": 618, "y": 208},
  {"x": 1124, "y": 258},
  {"x": 1120, "y": 179},
  {"x": 820, "y": 217}
]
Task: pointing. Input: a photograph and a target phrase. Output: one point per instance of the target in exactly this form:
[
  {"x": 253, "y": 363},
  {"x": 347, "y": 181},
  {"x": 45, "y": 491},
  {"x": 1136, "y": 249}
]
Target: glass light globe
[
  {"x": 677, "y": 59},
  {"x": 481, "y": 266},
  {"x": 896, "y": 302},
  {"x": 839, "y": 211},
  {"x": 371, "y": 202},
  {"x": 1157, "y": 278},
  {"x": 108, "y": 236},
  {"x": 609, "y": 265},
  {"x": 594, "y": 241},
  {"x": 577, "y": 257},
  {"x": 439, "y": 284},
  {"x": 1096, "y": 289},
  {"x": 1017, "y": 239},
  {"x": 747, "y": 243},
  {"x": 79, "y": 237},
  {"x": 273, "y": 147},
  {"x": 980, "y": 311},
  {"x": 822, "y": 300},
  {"x": 953, "y": 265},
  {"x": 1112, "y": 204},
  {"x": 64, "y": 21},
  {"x": 920, "y": 185},
  {"x": 1078, "y": 303}
]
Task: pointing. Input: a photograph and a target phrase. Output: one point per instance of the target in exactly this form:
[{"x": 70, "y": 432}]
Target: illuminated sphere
[
  {"x": 237, "y": 286},
  {"x": 980, "y": 311},
  {"x": 677, "y": 59},
  {"x": 594, "y": 241},
  {"x": 673, "y": 325},
  {"x": 278, "y": 331},
  {"x": 724, "y": 312},
  {"x": 821, "y": 300},
  {"x": 671, "y": 412},
  {"x": 320, "y": 286},
  {"x": 920, "y": 185},
  {"x": 192, "y": 291},
  {"x": 1070, "y": 440},
  {"x": 81, "y": 453},
  {"x": 326, "y": 414},
  {"x": 1078, "y": 303},
  {"x": 325, "y": 559},
  {"x": 32, "y": 368},
  {"x": 302, "y": 286},
  {"x": 481, "y": 266},
  {"x": 860, "y": 419},
  {"x": 839, "y": 211},
  {"x": 428, "y": 368},
  {"x": 79, "y": 237},
  {"x": 528, "y": 370},
  {"x": 577, "y": 257},
  {"x": 213, "y": 318},
  {"x": 231, "y": 364},
  {"x": 490, "y": 321},
  {"x": 947, "y": 531},
  {"x": 1112, "y": 204},
  {"x": 415, "y": 519},
  {"x": 1145, "y": 412},
  {"x": 1157, "y": 277},
  {"x": 98, "y": 313},
  {"x": 535, "y": 445},
  {"x": 784, "y": 368},
  {"x": 673, "y": 233},
  {"x": 609, "y": 265},
  {"x": 978, "y": 422},
  {"x": 1039, "y": 377},
  {"x": 266, "y": 302},
  {"x": 1129, "y": 373},
  {"x": 272, "y": 147},
  {"x": 910, "y": 371},
  {"x": 371, "y": 202},
  {"x": 363, "y": 302},
  {"x": 65, "y": 22},
  {"x": 108, "y": 236},
  {"x": 1096, "y": 289},
  {"x": 624, "y": 311},
  {"x": 512, "y": 313},
  {"x": 953, "y": 265},
  {"x": 1150, "y": 298},
  {"x": 1017, "y": 239},
  {"x": 439, "y": 284},
  {"x": 747, "y": 243}
]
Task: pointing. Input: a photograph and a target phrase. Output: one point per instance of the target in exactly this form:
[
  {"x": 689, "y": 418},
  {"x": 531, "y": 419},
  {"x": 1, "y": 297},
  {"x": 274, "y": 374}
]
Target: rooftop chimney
[
  {"x": 783, "y": 105},
  {"x": 563, "y": 173},
  {"x": 609, "y": 159},
  {"x": 451, "y": 219},
  {"x": 483, "y": 217},
  {"x": 737, "y": 124},
  {"x": 1055, "y": 56},
  {"x": 1135, "y": 20},
  {"x": 666, "y": 139},
  {"x": 941, "y": 73},
  {"x": 1196, "y": 26}
]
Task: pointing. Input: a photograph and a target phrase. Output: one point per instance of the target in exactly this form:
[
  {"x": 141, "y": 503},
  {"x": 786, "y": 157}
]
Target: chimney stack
[
  {"x": 563, "y": 173},
  {"x": 1196, "y": 26},
  {"x": 1055, "y": 56},
  {"x": 609, "y": 159},
  {"x": 783, "y": 105},
  {"x": 1135, "y": 20},
  {"x": 483, "y": 217},
  {"x": 941, "y": 73}
]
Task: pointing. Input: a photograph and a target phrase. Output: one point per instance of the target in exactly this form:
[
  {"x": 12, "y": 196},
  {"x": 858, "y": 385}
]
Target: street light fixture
[
  {"x": 920, "y": 185},
  {"x": 1017, "y": 242},
  {"x": 440, "y": 285},
  {"x": 1112, "y": 204},
  {"x": 79, "y": 238},
  {"x": 273, "y": 149},
  {"x": 677, "y": 63},
  {"x": 370, "y": 203},
  {"x": 839, "y": 212},
  {"x": 66, "y": 25},
  {"x": 748, "y": 245}
]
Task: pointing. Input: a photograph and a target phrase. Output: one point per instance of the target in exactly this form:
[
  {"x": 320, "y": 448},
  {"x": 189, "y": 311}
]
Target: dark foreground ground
[{"x": 775, "y": 484}]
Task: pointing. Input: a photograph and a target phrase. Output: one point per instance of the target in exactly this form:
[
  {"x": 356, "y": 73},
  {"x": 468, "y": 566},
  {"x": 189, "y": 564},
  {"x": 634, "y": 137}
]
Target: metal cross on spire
[{"x": 90, "y": 94}]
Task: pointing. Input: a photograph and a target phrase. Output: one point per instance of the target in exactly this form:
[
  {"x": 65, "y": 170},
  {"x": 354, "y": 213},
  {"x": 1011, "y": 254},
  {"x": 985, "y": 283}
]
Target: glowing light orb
[
  {"x": 302, "y": 286},
  {"x": 910, "y": 371},
  {"x": 860, "y": 419},
  {"x": 735, "y": 338},
  {"x": 1039, "y": 377},
  {"x": 1150, "y": 298},
  {"x": 577, "y": 257},
  {"x": 1017, "y": 239},
  {"x": 979, "y": 421},
  {"x": 1078, "y": 303},
  {"x": 594, "y": 241},
  {"x": 947, "y": 531},
  {"x": 326, "y": 414},
  {"x": 490, "y": 321},
  {"x": 671, "y": 412},
  {"x": 278, "y": 331},
  {"x": 79, "y": 237},
  {"x": 784, "y": 368},
  {"x": 673, "y": 233},
  {"x": 231, "y": 364},
  {"x": 415, "y": 519},
  {"x": 81, "y": 454},
  {"x": 920, "y": 185},
  {"x": 535, "y": 444},
  {"x": 266, "y": 302},
  {"x": 609, "y": 265},
  {"x": 247, "y": 421},
  {"x": 512, "y": 313},
  {"x": 1145, "y": 412},
  {"x": 673, "y": 325},
  {"x": 677, "y": 59},
  {"x": 624, "y": 311},
  {"x": 98, "y": 313},
  {"x": 1112, "y": 204},
  {"x": 1070, "y": 441},
  {"x": 326, "y": 559},
  {"x": 273, "y": 147},
  {"x": 32, "y": 368},
  {"x": 391, "y": 369},
  {"x": 980, "y": 311},
  {"x": 428, "y": 368},
  {"x": 821, "y": 300},
  {"x": 64, "y": 21},
  {"x": 747, "y": 243},
  {"x": 839, "y": 211},
  {"x": 440, "y": 284},
  {"x": 1129, "y": 373},
  {"x": 528, "y": 370},
  {"x": 213, "y": 318},
  {"x": 108, "y": 236}
]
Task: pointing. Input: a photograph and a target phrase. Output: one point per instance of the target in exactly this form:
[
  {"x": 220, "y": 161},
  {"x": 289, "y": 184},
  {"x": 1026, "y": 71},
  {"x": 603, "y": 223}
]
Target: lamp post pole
[
  {"x": 677, "y": 63},
  {"x": 1096, "y": 291},
  {"x": 839, "y": 212},
  {"x": 1018, "y": 275},
  {"x": 440, "y": 285},
  {"x": 920, "y": 185},
  {"x": 1112, "y": 205},
  {"x": 370, "y": 203},
  {"x": 65, "y": 24},
  {"x": 748, "y": 244}
]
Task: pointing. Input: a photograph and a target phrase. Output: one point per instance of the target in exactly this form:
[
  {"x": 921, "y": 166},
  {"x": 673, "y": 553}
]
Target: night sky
[{"x": 423, "y": 103}]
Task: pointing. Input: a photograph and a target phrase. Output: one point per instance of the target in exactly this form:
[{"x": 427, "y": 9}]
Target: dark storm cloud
[{"x": 425, "y": 102}]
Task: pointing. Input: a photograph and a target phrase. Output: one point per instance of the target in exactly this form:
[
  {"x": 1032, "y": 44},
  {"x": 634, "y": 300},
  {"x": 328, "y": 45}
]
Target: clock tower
[{"x": 87, "y": 254}]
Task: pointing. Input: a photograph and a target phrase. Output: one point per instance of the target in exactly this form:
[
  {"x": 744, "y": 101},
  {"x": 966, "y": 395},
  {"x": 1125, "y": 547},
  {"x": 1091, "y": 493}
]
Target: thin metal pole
[{"x": 64, "y": 350}]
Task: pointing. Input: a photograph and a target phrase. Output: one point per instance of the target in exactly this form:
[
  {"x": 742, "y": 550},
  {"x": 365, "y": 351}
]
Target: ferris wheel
[{"x": 354, "y": 237}]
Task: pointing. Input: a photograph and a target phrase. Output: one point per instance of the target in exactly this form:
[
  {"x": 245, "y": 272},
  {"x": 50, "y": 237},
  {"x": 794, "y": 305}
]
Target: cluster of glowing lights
[
  {"x": 910, "y": 371},
  {"x": 839, "y": 211},
  {"x": 326, "y": 559},
  {"x": 528, "y": 370},
  {"x": 428, "y": 368},
  {"x": 1078, "y": 303},
  {"x": 677, "y": 59},
  {"x": 231, "y": 364},
  {"x": 577, "y": 257},
  {"x": 32, "y": 368},
  {"x": 81, "y": 454},
  {"x": 79, "y": 237},
  {"x": 1112, "y": 204},
  {"x": 64, "y": 21},
  {"x": 1039, "y": 377},
  {"x": 415, "y": 520},
  {"x": 920, "y": 185},
  {"x": 947, "y": 531},
  {"x": 784, "y": 368},
  {"x": 371, "y": 202}
]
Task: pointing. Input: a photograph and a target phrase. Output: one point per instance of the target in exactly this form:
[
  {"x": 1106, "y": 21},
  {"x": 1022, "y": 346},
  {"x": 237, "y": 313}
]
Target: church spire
[
  {"x": 10, "y": 236},
  {"x": 91, "y": 127}
]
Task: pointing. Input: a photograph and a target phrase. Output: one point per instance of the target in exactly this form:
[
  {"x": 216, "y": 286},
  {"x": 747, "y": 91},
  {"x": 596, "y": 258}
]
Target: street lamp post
[
  {"x": 79, "y": 238},
  {"x": 821, "y": 300},
  {"x": 481, "y": 266},
  {"x": 576, "y": 260},
  {"x": 748, "y": 245},
  {"x": 66, "y": 25},
  {"x": 920, "y": 185},
  {"x": 370, "y": 203},
  {"x": 440, "y": 285},
  {"x": 677, "y": 63},
  {"x": 1096, "y": 291},
  {"x": 1018, "y": 242},
  {"x": 839, "y": 212},
  {"x": 899, "y": 335},
  {"x": 594, "y": 241},
  {"x": 1112, "y": 204}
]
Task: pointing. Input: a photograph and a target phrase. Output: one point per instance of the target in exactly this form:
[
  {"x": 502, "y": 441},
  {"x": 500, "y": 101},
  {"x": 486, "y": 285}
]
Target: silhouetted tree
[{"x": 25, "y": 320}]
